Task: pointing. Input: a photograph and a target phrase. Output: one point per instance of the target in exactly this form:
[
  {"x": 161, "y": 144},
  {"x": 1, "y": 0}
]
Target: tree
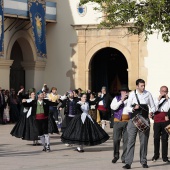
[{"x": 140, "y": 16}]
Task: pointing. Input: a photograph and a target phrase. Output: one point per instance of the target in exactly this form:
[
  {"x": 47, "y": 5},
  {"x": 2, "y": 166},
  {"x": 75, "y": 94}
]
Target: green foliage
[{"x": 140, "y": 16}]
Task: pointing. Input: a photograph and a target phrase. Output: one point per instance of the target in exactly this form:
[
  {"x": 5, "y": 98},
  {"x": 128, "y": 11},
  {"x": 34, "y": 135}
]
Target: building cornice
[
  {"x": 96, "y": 26},
  {"x": 6, "y": 64}
]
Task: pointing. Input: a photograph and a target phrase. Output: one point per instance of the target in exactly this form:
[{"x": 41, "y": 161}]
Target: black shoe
[
  {"x": 44, "y": 149},
  {"x": 155, "y": 158},
  {"x": 145, "y": 166},
  {"x": 81, "y": 151},
  {"x": 114, "y": 160},
  {"x": 38, "y": 144},
  {"x": 123, "y": 162},
  {"x": 127, "y": 166},
  {"x": 166, "y": 160},
  {"x": 48, "y": 149}
]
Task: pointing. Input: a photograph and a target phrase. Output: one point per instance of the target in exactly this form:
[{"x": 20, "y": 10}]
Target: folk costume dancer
[
  {"x": 82, "y": 130},
  {"x": 138, "y": 102},
  {"x": 40, "y": 109},
  {"x": 26, "y": 128},
  {"x": 121, "y": 118},
  {"x": 69, "y": 106},
  {"x": 161, "y": 120}
]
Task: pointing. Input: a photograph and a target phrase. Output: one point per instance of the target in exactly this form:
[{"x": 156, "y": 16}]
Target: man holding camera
[
  {"x": 137, "y": 104},
  {"x": 161, "y": 120},
  {"x": 121, "y": 118}
]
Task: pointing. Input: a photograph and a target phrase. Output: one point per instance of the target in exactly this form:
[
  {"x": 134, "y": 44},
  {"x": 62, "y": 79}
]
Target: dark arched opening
[
  {"x": 108, "y": 68},
  {"x": 17, "y": 73}
]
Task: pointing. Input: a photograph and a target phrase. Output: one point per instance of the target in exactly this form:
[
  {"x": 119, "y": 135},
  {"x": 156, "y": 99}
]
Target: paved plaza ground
[{"x": 16, "y": 154}]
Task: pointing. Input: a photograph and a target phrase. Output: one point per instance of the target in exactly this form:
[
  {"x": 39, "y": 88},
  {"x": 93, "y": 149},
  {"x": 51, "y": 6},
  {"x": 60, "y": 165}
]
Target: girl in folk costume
[
  {"x": 40, "y": 110},
  {"x": 83, "y": 130},
  {"x": 26, "y": 127}
]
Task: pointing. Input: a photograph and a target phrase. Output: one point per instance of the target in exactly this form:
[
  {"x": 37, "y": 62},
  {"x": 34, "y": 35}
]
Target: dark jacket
[
  {"x": 46, "y": 104},
  {"x": 95, "y": 102},
  {"x": 107, "y": 99},
  {"x": 2, "y": 98},
  {"x": 78, "y": 109},
  {"x": 65, "y": 105}
]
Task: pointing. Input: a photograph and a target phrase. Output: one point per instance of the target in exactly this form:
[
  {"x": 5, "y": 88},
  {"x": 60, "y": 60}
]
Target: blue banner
[
  {"x": 1, "y": 28},
  {"x": 37, "y": 11}
]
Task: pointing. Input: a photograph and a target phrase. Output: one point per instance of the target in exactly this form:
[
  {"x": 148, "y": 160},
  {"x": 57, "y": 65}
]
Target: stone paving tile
[{"x": 16, "y": 154}]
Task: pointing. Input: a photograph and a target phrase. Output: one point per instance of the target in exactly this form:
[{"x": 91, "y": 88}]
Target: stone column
[
  {"x": 5, "y": 73},
  {"x": 133, "y": 73},
  {"x": 34, "y": 74},
  {"x": 81, "y": 59}
]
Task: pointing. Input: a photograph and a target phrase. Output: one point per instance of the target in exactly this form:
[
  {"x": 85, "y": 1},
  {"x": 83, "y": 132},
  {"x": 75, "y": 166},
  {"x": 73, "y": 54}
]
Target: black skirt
[
  {"x": 66, "y": 122},
  {"x": 25, "y": 128},
  {"x": 31, "y": 131},
  {"x": 88, "y": 133},
  {"x": 19, "y": 128}
]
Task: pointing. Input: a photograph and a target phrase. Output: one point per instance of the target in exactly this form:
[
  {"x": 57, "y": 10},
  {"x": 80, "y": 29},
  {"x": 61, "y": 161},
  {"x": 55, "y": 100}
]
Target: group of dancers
[
  {"x": 132, "y": 111},
  {"x": 40, "y": 117}
]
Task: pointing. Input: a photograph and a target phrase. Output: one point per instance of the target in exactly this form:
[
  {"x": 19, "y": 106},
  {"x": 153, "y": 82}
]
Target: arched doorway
[
  {"x": 108, "y": 68},
  {"x": 17, "y": 73}
]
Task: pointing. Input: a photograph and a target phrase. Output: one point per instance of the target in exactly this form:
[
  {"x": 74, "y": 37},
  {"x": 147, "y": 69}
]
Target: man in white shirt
[
  {"x": 121, "y": 118},
  {"x": 161, "y": 120},
  {"x": 138, "y": 106}
]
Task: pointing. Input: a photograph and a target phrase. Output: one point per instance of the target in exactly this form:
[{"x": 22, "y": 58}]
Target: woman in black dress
[
  {"x": 83, "y": 130},
  {"x": 26, "y": 128}
]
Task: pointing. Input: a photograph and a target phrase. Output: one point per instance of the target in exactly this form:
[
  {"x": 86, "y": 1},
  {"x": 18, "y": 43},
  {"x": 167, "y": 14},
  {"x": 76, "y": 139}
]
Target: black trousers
[
  {"x": 160, "y": 133},
  {"x": 42, "y": 126}
]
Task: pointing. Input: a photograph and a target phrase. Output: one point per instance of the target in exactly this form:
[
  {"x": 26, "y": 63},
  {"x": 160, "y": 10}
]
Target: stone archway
[
  {"x": 17, "y": 72},
  {"x": 33, "y": 66},
  {"x": 91, "y": 39},
  {"x": 108, "y": 67},
  {"x": 25, "y": 40},
  {"x": 107, "y": 44}
]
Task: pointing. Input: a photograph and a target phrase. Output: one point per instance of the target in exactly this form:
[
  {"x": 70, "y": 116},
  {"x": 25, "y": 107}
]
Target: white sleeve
[
  {"x": 151, "y": 103},
  {"x": 130, "y": 102},
  {"x": 115, "y": 104}
]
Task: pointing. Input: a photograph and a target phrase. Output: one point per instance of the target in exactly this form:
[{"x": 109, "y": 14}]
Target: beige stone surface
[
  {"x": 16, "y": 154},
  {"x": 91, "y": 40}
]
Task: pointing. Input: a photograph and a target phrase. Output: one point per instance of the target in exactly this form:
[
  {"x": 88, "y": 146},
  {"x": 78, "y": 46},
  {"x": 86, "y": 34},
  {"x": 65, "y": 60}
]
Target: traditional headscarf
[{"x": 39, "y": 92}]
